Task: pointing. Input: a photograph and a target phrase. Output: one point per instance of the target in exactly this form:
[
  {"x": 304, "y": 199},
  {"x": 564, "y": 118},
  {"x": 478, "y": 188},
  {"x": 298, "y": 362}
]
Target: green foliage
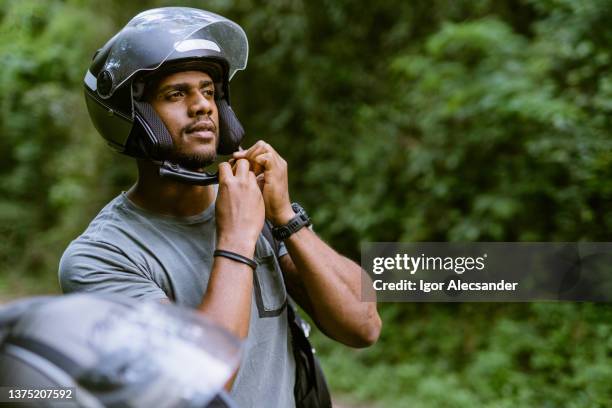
[
  {"x": 423, "y": 120},
  {"x": 476, "y": 128},
  {"x": 51, "y": 156},
  {"x": 480, "y": 355}
]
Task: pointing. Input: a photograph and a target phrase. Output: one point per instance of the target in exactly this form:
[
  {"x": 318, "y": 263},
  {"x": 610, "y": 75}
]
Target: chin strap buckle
[{"x": 175, "y": 172}]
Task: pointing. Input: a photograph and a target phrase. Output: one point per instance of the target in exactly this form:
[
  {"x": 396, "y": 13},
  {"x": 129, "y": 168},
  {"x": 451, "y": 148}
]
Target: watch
[{"x": 300, "y": 220}]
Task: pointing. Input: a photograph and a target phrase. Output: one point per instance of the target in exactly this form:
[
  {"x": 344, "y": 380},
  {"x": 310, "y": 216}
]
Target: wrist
[
  {"x": 284, "y": 216},
  {"x": 299, "y": 220},
  {"x": 239, "y": 245},
  {"x": 236, "y": 258}
]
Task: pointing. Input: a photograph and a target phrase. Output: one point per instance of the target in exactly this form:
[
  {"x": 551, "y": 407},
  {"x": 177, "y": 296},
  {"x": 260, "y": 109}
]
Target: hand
[
  {"x": 239, "y": 209},
  {"x": 271, "y": 171}
]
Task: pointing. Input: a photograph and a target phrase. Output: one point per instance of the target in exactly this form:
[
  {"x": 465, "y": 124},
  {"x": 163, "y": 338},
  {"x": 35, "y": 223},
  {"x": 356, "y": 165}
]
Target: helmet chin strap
[{"x": 176, "y": 172}]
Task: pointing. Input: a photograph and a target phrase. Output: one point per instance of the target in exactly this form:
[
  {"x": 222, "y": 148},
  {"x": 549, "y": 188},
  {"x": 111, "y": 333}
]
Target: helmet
[
  {"x": 159, "y": 41},
  {"x": 114, "y": 351}
]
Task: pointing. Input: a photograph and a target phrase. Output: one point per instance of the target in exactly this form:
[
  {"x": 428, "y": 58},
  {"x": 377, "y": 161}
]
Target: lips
[{"x": 202, "y": 127}]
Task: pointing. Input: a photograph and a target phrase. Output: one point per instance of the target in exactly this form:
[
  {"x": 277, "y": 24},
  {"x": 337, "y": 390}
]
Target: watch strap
[{"x": 300, "y": 220}]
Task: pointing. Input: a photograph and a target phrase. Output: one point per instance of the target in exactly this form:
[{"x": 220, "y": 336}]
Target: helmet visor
[
  {"x": 170, "y": 33},
  {"x": 177, "y": 354}
]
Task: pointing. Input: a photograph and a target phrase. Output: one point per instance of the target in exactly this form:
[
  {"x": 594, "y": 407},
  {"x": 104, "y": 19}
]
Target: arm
[
  {"x": 239, "y": 213},
  {"x": 230, "y": 280},
  {"x": 326, "y": 284}
]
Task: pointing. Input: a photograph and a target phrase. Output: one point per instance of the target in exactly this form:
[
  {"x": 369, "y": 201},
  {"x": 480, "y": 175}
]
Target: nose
[{"x": 200, "y": 104}]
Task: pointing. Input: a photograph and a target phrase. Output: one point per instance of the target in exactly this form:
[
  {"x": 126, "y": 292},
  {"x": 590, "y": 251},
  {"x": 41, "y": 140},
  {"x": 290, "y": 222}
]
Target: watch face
[{"x": 297, "y": 208}]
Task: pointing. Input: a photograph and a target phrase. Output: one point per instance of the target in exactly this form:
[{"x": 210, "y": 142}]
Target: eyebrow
[{"x": 183, "y": 86}]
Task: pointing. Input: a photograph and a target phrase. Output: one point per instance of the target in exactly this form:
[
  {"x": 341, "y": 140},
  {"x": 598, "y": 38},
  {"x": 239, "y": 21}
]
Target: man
[{"x": 159, "y": 91}]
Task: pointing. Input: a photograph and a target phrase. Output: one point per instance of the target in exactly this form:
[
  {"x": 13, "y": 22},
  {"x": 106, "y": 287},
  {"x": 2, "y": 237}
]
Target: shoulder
[
  {"x": 115, "y": 216},
  {"x": 117, "y": 228},
  {"x": 98, "y": 266},
  {"x": 101, "y": 249},
  {"x": 86, "y": 257}
]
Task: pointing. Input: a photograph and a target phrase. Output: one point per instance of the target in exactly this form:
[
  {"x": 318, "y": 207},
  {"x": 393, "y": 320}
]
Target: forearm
[
  {"x": 239, "y": 216},
  {"x": 332, "y": 283},
  {"x": 229, "y": 280}
]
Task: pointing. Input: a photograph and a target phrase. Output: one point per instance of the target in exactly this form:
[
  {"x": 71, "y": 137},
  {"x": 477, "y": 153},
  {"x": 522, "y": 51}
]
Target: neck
[{"x": 166, "y": 196}]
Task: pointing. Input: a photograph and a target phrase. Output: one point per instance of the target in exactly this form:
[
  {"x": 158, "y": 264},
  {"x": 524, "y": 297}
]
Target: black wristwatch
[{"x": 300, "y": 220}]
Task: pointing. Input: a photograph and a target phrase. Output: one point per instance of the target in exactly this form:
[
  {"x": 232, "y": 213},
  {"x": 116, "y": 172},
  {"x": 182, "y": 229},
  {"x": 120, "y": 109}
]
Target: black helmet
[
  {"x": 114, "y": 351},
  {"x": 163, "y": 40}
]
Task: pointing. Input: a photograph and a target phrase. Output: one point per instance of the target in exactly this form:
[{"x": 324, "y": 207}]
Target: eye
[
  {"x": 210, "y": 92},
  {"x": 175, "y": 95}
]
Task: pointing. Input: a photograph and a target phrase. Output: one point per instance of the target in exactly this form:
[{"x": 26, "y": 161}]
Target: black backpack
[{"x": 310, "y": 389}]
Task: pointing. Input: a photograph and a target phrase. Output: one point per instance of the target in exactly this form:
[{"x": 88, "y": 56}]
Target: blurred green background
[{"x": 401, "y": 121}]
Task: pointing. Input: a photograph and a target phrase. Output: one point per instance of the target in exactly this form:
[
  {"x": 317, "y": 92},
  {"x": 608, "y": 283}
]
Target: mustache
[{"x": 201, "y": 125}]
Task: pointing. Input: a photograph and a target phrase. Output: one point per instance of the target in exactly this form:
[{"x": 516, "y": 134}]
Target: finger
[
  {"x": 242, "y": 168},
  {"x": 232, "y": 162},
  {"x": 225, "y": 172},
  {"x": 264, "y": 147},
  {"x": 256, "y": 149},
  {"x": 257, "y": 168},
  {"x": 252, "y": 177},
  {"x": 261, "y": 181},
  {"x": 265, "y": 160},
  {"x": 243, "y": 153},
  {"x": 269, "y": 148},
  {"x": 239, "y": 153},
  {"x": 255, "y": 152},
  {"x": 249, "y": 154}
]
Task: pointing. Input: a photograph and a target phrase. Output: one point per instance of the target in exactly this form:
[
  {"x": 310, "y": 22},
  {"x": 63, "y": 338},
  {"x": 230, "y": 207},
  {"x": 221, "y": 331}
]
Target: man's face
[{"x": 185, "y": 102}]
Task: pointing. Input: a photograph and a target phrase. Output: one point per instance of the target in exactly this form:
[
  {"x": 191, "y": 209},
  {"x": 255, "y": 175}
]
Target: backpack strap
[
  {"x": 267, "y": 233},
  {"x": 310, "y": 388}
]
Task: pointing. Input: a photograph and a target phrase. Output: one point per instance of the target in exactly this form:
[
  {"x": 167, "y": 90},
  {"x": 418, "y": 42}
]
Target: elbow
[
  {"x": 373, "y": 332},
  {"x": 369, "y": 333}
]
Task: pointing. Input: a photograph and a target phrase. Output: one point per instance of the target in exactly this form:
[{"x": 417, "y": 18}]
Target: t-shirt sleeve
[
  {"x": 91, "y": 266},
  {"x": 282, "y": 249}
]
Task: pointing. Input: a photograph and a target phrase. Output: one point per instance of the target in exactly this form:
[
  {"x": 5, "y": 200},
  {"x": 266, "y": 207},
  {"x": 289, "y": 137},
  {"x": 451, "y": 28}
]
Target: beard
[{"x": 193, "y": 161}]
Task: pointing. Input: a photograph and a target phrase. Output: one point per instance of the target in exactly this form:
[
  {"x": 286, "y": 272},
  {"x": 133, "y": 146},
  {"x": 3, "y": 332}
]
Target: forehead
[{"x": 184, "y": 77}]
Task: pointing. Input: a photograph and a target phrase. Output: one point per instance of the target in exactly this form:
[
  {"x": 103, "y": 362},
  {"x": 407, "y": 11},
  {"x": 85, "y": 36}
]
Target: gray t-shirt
[{"x": 144, "y": 255}]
